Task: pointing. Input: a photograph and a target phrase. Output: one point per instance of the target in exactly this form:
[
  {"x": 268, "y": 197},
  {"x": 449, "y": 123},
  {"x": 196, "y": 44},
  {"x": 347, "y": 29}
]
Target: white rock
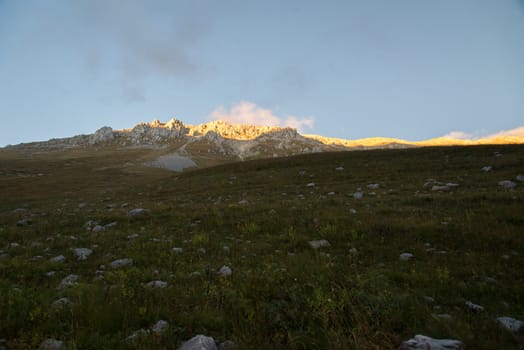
[
  {"x": 157, "y": 284},
  {"x": 340, "y": 168},
  {"x": 121, "y": 263},
  {"x": 178, "y": 250},
  {"x": 319, "y": 244},
  {"x": 487, "y": 168},
  {"x": 519, "y": 178},
  {"x": 511, "y": 324},
  {"x": 422, "y": 342},
  {"x": 352, "y": 211},
  {"x": 160, "y": 327},
  {"x": 474, "y": 307},
  {"x": 61, "y": 304},
  {"x": 58, "y": 259},
  {"x": 52, "y": 344},
  {"x": 137, "y": 212},
  {"x": 440, "y": 188},
  {"x": 82, "y": 253},
  {"x": 199, "y": 342},
  {"x": 358, "y": 195},
  {"x": 68, "y": 281},
  {"x": 98, "y": 228},
  {"x": 406, "y": 256},
  {"x": 311, "y": 184},
  {"x": 507, "y": 184},
  {"x": 225, "y": 271},
  {"x": 133, "y": 236},
  {"x": 373, "y": 186},
  {"x": 243, "y": 202}
]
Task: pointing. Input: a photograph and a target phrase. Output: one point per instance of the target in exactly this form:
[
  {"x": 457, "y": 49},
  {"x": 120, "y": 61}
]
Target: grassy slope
[{"x": 282, "y": 293}]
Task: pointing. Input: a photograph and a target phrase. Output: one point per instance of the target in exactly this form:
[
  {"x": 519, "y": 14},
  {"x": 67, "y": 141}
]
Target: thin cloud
[
  {"x": 249, "y": 113},
  {"x": 460, "y": 135}
]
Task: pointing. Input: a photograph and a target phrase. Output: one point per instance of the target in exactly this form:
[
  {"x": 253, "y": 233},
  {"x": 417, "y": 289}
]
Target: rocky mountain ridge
[{"x": 219, "y": 138}]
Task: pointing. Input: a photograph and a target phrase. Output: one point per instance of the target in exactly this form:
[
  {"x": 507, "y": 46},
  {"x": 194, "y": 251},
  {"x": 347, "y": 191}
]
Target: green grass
[{"x": 282, "y": 293}]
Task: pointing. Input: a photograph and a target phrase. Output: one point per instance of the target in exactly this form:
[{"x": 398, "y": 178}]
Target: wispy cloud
[
  {"x": 460, "y": 135},
  {"x": 249, "y": 113}
]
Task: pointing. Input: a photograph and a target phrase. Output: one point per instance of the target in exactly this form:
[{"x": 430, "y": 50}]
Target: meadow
[{"x": 258, "y": 218}]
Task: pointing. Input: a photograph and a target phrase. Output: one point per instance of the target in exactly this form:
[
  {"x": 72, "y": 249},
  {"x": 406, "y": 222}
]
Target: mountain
[{"x": 210, "y": 143}]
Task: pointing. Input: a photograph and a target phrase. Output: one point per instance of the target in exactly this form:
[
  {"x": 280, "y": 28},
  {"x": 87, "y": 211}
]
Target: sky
[{"x": 410, "y": 69}]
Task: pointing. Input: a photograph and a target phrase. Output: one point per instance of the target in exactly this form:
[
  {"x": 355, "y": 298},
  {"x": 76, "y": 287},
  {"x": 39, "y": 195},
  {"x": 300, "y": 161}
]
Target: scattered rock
[
  {"x": 519, "y": 178},
  {"x": 199, "y": 342},
  {"x": 132, "y": 236},
  {"x": 160, "y": 327},
  {"x": 406, "y": 256},
  {"x": 440, "y": 188},
  {"x": 319, "y": 244},
  {"x": 68, "y": 281},
  {"x": 178, "y": 250},
  {"x": 511, "y": 324},
  {"x": 243, "y": 202},
  {"x": 373, "y": 186},
  {"x": 82, "y": 253},
  {"x": 487, "y": 168},
  {"x": 422, "y": 342},
  {"x": 121, "y": 263},
  {"x": 61, "y": 304},
  {"x": 227, "y": 345},
  {"x": 98, "y": 228},
  {"x": 137, "y": 212},
  {"x": 156, "y": 284},
  {"x": 474, "y": 307},
  {"x": 24, "y": 222},
  {"x": 311, "y": 184},
  {"x": 358, "y": 195},
  {"x": 52, "y": 344},
  {"x": 58, "y": 259},
  {"x": 340, "y": 168},
  {"x": 507, "y": 184},
  {"x": 352, "y": 211},
  {"x": 225, "y": 271}
]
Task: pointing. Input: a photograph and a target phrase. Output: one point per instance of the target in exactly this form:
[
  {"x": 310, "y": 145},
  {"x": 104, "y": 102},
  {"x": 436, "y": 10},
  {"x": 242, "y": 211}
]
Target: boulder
[
  {"x": 511, "y": 324},
  {"x": 225, "y": 271},
  {"x": 137, "y": 212},
  {"x": 160, "y": 327},
  {"x": 507, "y": 184},
  {"x": 82, "y": 253},
  {"x": 68, "y": 281},
  {"x": 199, "y": 342},
  {"x": 52, "y": 344},
  {"x": 422, "y": 342},
  {"x": 406, "y": 256},
  {"x": 121, "y": 263},
  {"x": 319, "y": 244}
]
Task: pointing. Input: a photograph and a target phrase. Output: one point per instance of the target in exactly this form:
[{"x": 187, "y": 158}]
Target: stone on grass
[
  {"x": 137, "y": 212},
  {"x": 311, "y": 184},
  {"x": 61, "y": 304},
  {"x": 340, "y": 168},
  {"x": 160, "y": 327},
  {"x": 82, "y": 253},
  {"x": 199, "y": 342},
  {"x": 178, "y": 250},
  {"x": 319, "y": 244},
  {"x": 519, "y": 178},
  {"x": 511, "y": 324},
  {"x": 121, "y": 263},
  {"x": 157, "y": 284},
  {"x": 68, "y": 281},
  {"x": 406, "y": 256},
  {"x": 243, "y": 202},
  {"x": 507, "y": 184},
  {"x": 137, "y": 335},
  {"x": 225, "y": 271},
  {"x": 98, "y": 228},
  {"x": 358, "y": 195},
  {"x": 58, "y": 259},
  {"x": 474, "y": 307},
  {"x": 52, "y": 344},
  {"x": 440, "y": 188},
  {"x": 422, "y": 342},
  {"x": 373, "y": 186},
  {"x": 487, "y": 168},
  {"x": 24, "y": 222}
]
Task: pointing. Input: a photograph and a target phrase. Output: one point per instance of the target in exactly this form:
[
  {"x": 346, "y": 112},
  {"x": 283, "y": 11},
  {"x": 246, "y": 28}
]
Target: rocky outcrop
[{"x": 102, "y": 135}]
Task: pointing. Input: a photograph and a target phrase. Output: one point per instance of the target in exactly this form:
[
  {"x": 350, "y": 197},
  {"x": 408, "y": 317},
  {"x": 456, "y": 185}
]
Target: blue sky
[{"x": 412, "y": 69}]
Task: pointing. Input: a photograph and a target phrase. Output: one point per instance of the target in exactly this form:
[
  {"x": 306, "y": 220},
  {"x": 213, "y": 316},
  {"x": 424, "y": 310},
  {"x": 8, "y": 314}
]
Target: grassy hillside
[{"x": 257, "y": 217}]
